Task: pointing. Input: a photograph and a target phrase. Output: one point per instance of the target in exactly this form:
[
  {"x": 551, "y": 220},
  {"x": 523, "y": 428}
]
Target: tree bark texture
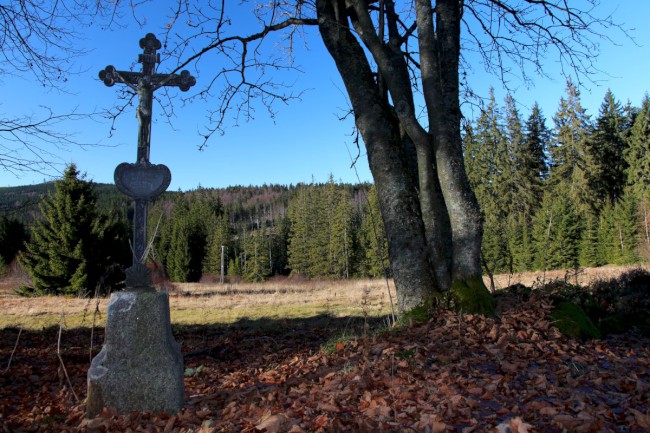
[
  {"x": 430, "y": 213},
  {"x": 388, "y": 159}
]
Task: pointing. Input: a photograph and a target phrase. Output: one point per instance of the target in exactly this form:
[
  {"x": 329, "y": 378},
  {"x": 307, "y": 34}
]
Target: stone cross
[
  {"x": 140, "y": 367},
  {"x": 143, "y": 180}
]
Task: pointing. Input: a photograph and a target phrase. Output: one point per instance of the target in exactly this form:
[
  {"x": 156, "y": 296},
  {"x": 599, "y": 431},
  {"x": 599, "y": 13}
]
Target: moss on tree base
[{"x": 471, "y": 296}]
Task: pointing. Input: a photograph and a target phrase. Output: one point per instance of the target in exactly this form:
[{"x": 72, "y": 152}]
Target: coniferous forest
[
  {"x": 569, "y": 192},
  {"x": 571, "y": 195}
]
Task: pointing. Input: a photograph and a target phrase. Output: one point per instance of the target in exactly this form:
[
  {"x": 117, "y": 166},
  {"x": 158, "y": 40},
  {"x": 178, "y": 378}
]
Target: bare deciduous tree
[
  {"x": 39, "y": 40},
  {"x": 404, "y": 67}
]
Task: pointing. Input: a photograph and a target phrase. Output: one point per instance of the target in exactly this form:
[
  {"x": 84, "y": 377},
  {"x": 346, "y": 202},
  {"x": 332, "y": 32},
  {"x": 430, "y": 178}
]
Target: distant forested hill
[{"x": 318, "y": 230}]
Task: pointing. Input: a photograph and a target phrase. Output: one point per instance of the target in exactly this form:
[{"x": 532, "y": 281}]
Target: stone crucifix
[{"x": 143, "y": 180}]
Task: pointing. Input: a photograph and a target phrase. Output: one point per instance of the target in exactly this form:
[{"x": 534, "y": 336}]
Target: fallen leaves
[
  {"x": 456, "y": 373},
  {"x": 515, "y": 425}
]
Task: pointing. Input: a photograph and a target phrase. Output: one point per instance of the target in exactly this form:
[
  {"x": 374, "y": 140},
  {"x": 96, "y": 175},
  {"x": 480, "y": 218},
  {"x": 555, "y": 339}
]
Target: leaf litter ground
[{"x": 456, "y": 373}]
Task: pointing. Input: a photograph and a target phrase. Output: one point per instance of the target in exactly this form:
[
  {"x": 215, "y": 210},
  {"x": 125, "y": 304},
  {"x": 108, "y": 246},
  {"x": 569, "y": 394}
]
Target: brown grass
[
  {"x": 200, "y": 303},
  {"x": 581, "y": 277},
  {"x": 197, "y": 303}
]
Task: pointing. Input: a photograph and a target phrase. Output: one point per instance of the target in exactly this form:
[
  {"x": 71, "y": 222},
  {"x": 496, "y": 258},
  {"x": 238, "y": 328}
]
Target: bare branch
[
  {"x": 516, "y": 37},
  {"x": 30, "y": 143}
]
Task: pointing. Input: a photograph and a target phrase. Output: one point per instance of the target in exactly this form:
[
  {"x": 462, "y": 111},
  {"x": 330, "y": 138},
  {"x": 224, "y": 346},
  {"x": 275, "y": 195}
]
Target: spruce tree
[
  {"x": 178, "y": 257},
  {"x": 374, "y": 257},
  {"x": 279, "y": 246},
  {"x": 12, "y": 238},
  {"x": 570, "y": 159},
  {"x": 300, "y": 232},
  {"x": 520, "y": 242},
  {"x": 637, "y": 154},
  {"x": 534, "y": 153},
  {"x": 557, "y": 231},
  {"x": 491, "y": 176},
  {"x": 620, "y": 231},
  {"x": 72, "y": 247},
  {"x": 218, "y": 237},
  {"x": 234, "y": 268},
  {"x": 607, "y": 147},
  {"x": 341, "y": 231},
  {"x": 257, "y": 266},
  {"x": 591, "y": 248}
]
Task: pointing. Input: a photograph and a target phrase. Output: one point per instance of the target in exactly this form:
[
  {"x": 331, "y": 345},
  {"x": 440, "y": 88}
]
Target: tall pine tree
[
  {"x": 570, "y": 159},
  {"x": 373, "y": 243},
  {"x": 637, "y": 157},
  {"x": 557, "y": 231},
  {"x": 607, "y": 146}
]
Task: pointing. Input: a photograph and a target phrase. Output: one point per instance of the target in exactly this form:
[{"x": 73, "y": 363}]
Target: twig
[
  {"x": 20, "y": 331},
  {"x": 58, "y": 354}
]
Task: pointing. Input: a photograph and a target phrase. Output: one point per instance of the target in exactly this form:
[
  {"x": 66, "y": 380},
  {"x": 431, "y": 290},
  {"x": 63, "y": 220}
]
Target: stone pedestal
[{"x": 140, "y": 367}]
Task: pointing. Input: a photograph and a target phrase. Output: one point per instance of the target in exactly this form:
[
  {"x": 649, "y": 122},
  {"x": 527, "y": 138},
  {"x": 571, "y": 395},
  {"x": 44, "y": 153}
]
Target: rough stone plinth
[{"x": 140, "y": 367}]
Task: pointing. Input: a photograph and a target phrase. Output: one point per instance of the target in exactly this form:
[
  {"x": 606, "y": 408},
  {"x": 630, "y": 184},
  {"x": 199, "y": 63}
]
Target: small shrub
[
  {"x": 573, "y": 322},
  {"x": 627, "y": 294},
  {"x": 614, "y": 306},
  {"x": 624, "y": 302}
]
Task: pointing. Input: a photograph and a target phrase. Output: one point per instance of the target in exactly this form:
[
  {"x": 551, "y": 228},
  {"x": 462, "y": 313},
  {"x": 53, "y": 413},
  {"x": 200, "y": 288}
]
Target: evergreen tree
[
  {"x": 620, "y": 231},
  {"x": 178, "y": 257},
  {"x": 257, "y": 266},
  {"x": 520, "y": 242},
  {"x": 491, "y": 176},
  {"x": 557, "y": 231},
  {"x": 279, "y": 246},
  {"x": 301, "y": 228},
  {"x": 218, "y": 237},
  {"x": 570, "y": 160},
  {"x": 607, "y": 178},
  {"x": 340, "y": 230},
  {"x": 534, "y": 154},
  {"x": 591, "y": 248},
  {"x": 320, "y": 217},
  {"x": 234, "y": 268},
  {"x": 72, "y": 247},
  {"x": 374, "y": 247},
  {"x": 12, "y": 238},
  {"x": 203, "y": 212},
  {"x": 514, "y": 186},
  {"x": 486, "y": 156},
  {"x": 637, "y": 157}
]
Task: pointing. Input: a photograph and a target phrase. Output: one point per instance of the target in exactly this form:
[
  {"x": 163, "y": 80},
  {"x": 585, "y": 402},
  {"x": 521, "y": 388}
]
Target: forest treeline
[
  {"x": 570, "y": 195},
  {"x": 573, "y": 195},
  {"x": 317, "y": 230},
  {"x": 326, "y": 230}
]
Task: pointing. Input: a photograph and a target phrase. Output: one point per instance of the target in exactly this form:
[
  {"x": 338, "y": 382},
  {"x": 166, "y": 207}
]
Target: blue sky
[{"x": 306, "y": 140}]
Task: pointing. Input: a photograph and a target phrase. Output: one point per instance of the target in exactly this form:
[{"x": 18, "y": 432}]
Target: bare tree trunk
[
  {"x": 389, "y": 162},
  {"x": 439, "y": 56}
]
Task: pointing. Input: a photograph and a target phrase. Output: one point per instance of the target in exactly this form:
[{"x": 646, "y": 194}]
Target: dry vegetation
[
  {"x": 200, "y": 303},
  {"x": 455, "y": 373}
]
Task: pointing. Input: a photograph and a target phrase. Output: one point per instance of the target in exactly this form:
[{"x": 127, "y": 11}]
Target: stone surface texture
[{"x": 140, "y": 367}]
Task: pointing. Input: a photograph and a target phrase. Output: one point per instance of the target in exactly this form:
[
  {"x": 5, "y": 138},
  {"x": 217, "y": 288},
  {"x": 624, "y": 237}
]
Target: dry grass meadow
[{"x": 200, "y": 303}]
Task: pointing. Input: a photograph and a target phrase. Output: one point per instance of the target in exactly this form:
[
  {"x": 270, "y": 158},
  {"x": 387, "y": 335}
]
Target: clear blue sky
[{"x": 305, "y": 140}]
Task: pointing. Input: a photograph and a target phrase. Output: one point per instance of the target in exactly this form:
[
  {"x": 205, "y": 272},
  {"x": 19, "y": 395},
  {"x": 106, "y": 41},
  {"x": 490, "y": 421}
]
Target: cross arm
[
  {"x": 110, "y": 76},
  {"x": 183, "y": 81}
]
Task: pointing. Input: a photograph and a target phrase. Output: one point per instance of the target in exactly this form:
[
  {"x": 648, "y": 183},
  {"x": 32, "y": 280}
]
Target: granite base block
[{"x": 140, "y": 367}]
